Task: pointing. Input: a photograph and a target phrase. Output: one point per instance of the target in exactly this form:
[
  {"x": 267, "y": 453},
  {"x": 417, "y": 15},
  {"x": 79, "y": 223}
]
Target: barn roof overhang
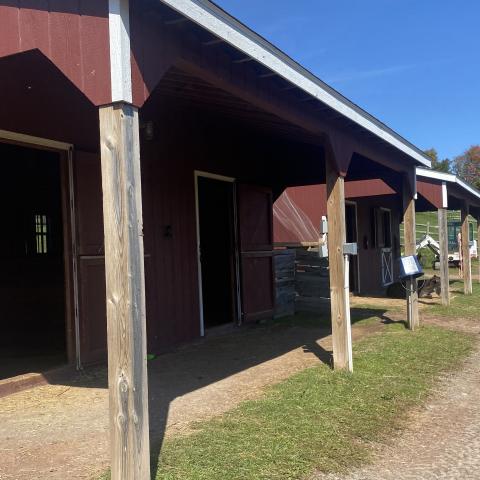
[
  {"x": 451, "y": 191},
  {"x": 227, "y": 29}
]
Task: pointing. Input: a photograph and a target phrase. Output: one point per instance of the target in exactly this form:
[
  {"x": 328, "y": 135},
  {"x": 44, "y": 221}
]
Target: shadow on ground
[{"x": 195, "y": 366}]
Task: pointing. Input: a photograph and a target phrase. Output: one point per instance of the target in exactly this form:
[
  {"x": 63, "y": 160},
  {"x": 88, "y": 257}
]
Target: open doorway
[
  {"x": 352, "y": 237},
  {"x": 32, "y": 267},
  {"x": 218, "y": 263}
]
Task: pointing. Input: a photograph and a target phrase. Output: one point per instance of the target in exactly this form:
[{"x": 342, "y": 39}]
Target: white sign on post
[{"x": 410, "y": 267}]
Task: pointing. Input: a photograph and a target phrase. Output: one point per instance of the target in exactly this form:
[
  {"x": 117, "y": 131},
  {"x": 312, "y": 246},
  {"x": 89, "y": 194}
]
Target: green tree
[
  {"x": 467, "y": 166},
  {"x": 440, "y": 165}
]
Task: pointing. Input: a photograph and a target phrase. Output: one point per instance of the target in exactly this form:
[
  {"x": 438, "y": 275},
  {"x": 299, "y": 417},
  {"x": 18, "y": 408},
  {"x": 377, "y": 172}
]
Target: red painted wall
[
  {"x": 299, "y": 210},
  {"x": 73, "y": 34},
  {"x": 41, "y": 101},
  {"x": 431, "y": 191}
]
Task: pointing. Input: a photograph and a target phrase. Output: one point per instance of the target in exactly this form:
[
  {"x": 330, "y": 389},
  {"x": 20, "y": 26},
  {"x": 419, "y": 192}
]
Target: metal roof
[{"x": 227, "y": 28}]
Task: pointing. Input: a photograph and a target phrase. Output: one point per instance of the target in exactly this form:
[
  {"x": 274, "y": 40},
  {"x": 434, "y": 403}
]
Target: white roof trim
[
  {"x": 447, "y": 177},
  {"x": 467, "y": 187},
  {"x": 218, "y": 22},
  {"x": 120, "y": 60},
  {"x": 426, "y": 172}
]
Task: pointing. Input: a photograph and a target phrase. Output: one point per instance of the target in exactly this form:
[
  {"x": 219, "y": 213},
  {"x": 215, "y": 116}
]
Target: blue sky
[{"x": 414, "y": 64}]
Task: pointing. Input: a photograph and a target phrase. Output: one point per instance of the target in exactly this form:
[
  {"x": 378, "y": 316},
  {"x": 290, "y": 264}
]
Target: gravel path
[{"x": 443, "y": 439}]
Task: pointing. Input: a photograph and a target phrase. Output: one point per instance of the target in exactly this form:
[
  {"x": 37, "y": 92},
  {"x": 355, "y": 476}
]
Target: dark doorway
[
  {"x": 352, "y": 237},
  {"x": 32, "y": 277},
  {"x": 217, "y": 251}
]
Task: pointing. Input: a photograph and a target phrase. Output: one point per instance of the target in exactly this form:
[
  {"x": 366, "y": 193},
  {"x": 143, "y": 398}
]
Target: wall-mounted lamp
[{"x": 148, "y": 130}]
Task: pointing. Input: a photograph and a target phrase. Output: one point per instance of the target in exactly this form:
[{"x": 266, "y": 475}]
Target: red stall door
[{"x": 256, "y": 251}]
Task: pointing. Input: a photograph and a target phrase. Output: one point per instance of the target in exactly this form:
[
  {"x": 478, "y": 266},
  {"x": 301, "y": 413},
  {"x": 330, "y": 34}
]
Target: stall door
[
  {"x": 91, "y": 260},
  {"x": 256, "y": 251}
]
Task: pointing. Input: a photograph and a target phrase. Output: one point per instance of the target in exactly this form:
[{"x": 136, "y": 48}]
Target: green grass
[
  {"x": 427, "y": 217},
  {"x": 431, "y": 218},
  {"x": 461, "y": 305},
  {"x": 319, "y": 418}
]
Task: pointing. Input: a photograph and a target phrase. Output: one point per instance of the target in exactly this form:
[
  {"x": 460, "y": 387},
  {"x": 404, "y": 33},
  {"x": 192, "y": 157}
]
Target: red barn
[
  {"x": 143, "y": 144},
  {"x": 374, "y": 211}
]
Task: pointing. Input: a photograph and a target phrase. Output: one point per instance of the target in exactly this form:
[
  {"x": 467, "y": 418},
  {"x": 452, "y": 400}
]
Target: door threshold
[
  {"x": 9, "y": 386},
  {"x": 220, "y": 330}
]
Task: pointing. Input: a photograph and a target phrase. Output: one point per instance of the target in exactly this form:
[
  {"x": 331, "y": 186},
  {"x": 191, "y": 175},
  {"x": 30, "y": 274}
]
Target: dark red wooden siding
[
  {"x": 37, "y": 99},
  {"x": 309, "y": 203},
  {"x": 73, "y": 34},
  {"x": 309, "y": 206},
  {"x": 431, "y": 191},
  {"x": 256, "y": 245},
  {"x": 91, "y": 261}
]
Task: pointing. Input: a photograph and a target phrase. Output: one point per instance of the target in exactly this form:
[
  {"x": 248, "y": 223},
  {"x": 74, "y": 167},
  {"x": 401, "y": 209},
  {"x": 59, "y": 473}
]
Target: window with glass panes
[{"x": 41, "y": 234}]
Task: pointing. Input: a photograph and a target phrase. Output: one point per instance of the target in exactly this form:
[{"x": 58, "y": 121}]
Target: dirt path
[
  {"x": 59, "y": 432},
  {"x": 443, "y": 439}
]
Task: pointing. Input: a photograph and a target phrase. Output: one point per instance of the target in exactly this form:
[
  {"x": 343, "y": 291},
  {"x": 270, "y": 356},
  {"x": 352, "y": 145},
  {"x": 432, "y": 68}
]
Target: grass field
[
  {"x": 462, "y": 305},
  {"x": 319, "y": 419},
  {"x": 323, "y": 420},
  {"x": 431, "y": 219}
]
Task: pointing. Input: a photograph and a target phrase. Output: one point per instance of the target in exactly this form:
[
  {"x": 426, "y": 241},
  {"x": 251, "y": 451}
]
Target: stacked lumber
[
  {"x": 284, "y": 263},
  {"x": 312, "y": 283}
]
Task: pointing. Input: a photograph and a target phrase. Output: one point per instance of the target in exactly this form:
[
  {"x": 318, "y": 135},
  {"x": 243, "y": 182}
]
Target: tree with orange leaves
[{"x": 467, "y": 166}]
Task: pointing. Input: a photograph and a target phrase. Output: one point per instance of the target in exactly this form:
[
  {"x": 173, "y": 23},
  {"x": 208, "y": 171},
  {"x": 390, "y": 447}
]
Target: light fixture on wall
[{"x": 148, "y": 130}]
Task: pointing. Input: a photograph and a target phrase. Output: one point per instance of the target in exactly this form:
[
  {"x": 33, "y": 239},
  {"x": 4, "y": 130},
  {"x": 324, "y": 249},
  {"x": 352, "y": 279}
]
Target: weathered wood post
[
  {"x": 410, "y": 249},
  {"x": 125, "y": 282},
  {"x": 341, "y": 328},
  {"x": 443, "y": 241},
  {"x": 467, "y": 263}
]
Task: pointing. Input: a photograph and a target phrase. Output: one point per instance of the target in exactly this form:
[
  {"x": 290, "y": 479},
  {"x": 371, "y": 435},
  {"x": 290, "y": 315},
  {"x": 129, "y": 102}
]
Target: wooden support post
[
  {"x": 443, "y": 241},
  {"x": 339, "y": 295},
  {"x": 410, "y": 249},
  {"x": 467, "y": 263},
  {"x": 125, "y": 282}
]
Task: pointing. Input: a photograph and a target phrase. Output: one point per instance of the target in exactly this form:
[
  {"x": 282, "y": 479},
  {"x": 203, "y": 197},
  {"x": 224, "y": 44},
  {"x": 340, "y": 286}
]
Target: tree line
[{"x": 466, "y": 166}]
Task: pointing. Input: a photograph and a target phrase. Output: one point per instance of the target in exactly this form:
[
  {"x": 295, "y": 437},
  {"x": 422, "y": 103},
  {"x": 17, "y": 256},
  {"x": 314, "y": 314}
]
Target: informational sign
[{"x": 410, "y": 267}]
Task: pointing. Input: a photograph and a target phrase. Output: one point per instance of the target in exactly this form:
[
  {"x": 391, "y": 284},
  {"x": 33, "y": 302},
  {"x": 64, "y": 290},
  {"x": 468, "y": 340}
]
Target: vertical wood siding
[
  {"x": 368, "y": 194},
  {"x": 431, "y": 191},
  {"x": 73, "y": 34},
  {"x": 311, "y": 201}
]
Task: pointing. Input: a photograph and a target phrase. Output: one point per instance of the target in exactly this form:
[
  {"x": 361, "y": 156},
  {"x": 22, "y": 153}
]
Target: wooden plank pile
[
  {"x": 312, "y": 283},
  {"x": 284, "y": 263},
  {"x": 301, "y": 282}
]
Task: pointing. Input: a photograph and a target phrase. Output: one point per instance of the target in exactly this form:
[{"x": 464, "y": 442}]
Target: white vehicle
[{"x": 453, "y": 257}]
